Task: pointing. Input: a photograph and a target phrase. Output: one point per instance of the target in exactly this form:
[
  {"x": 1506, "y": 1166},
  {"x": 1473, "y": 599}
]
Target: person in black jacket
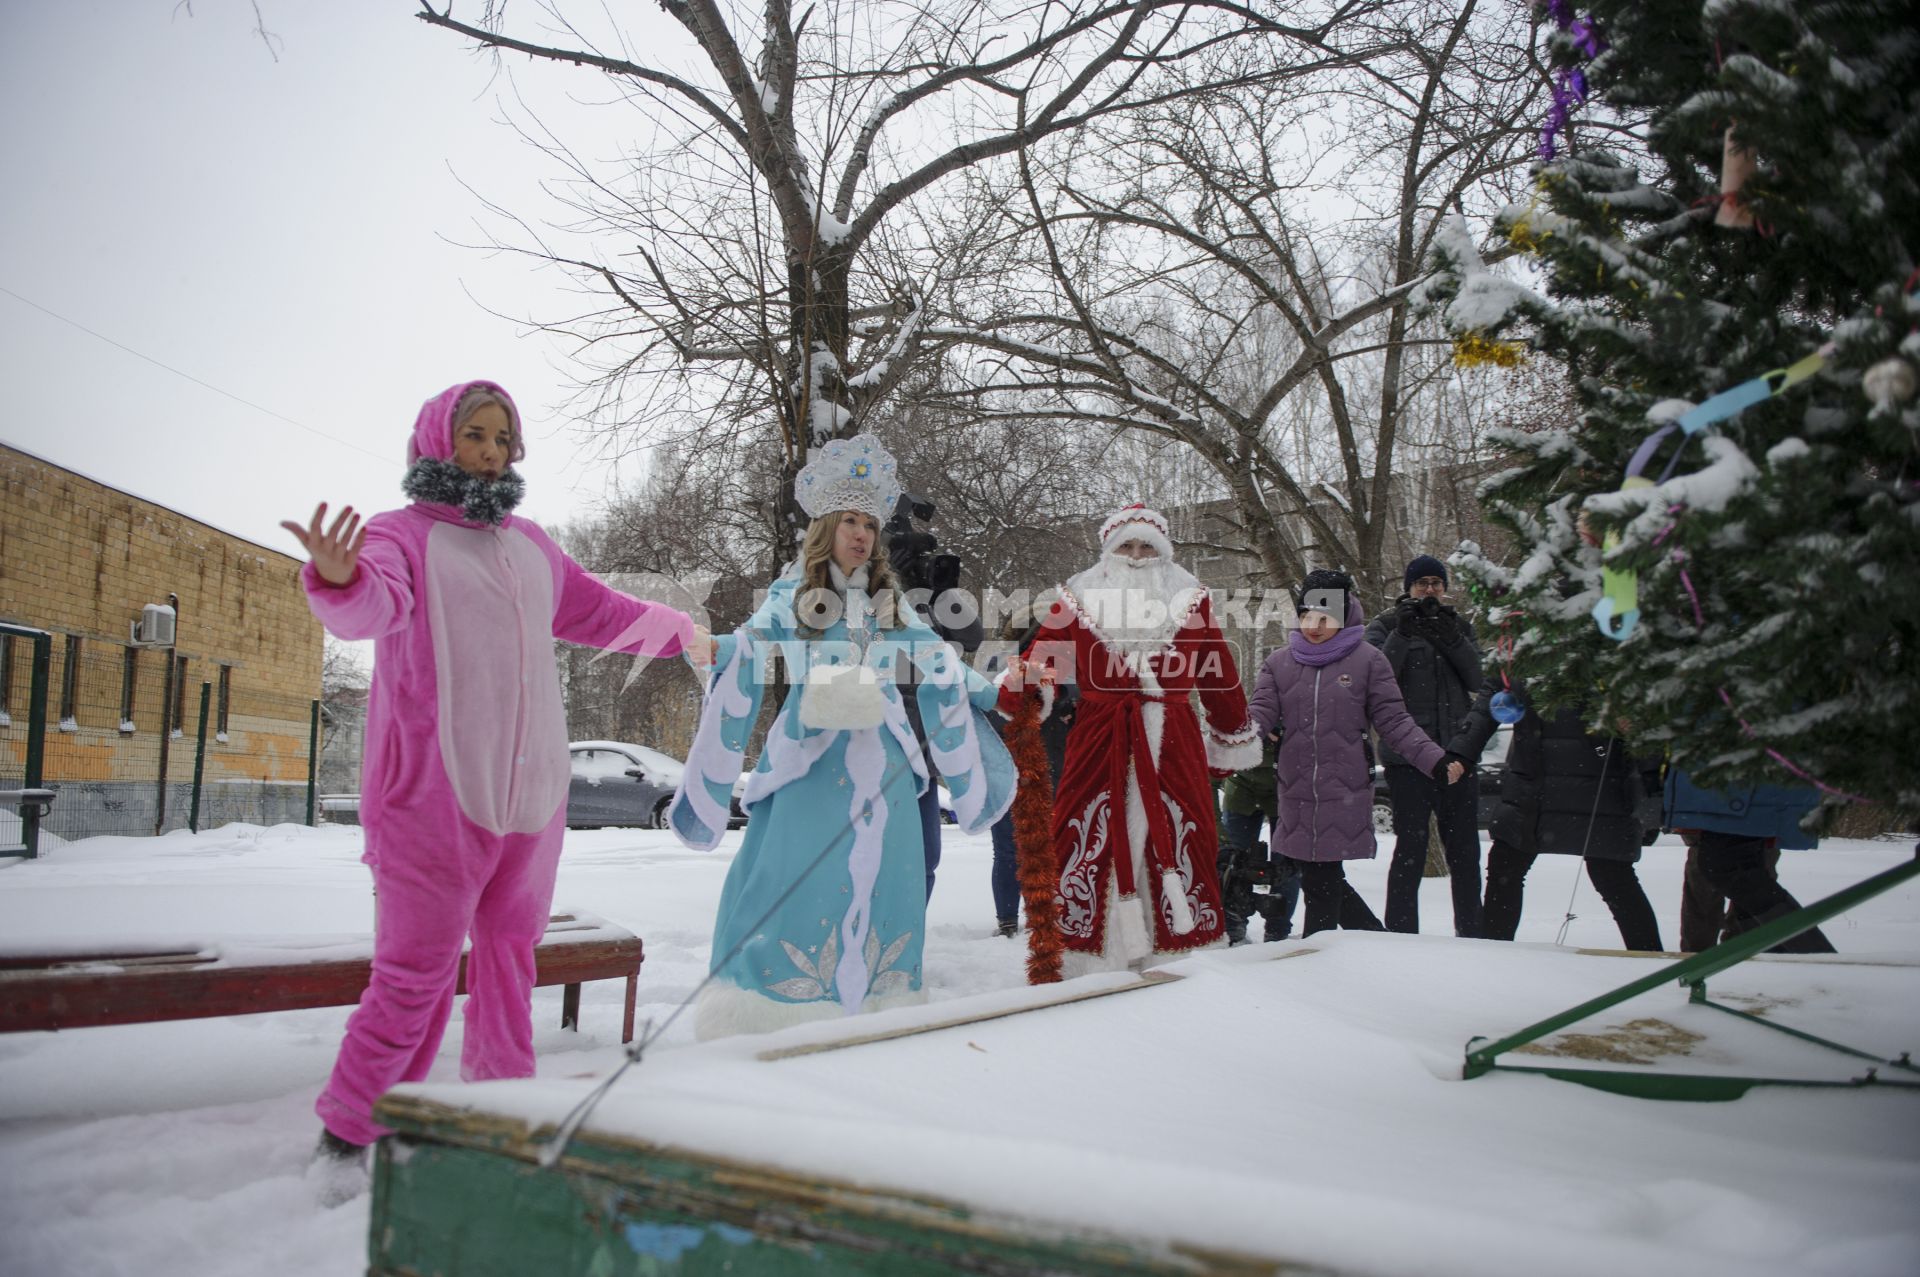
[
  {"x": 1432, "y": 651},
  {"x": 1569, "y": 792}
]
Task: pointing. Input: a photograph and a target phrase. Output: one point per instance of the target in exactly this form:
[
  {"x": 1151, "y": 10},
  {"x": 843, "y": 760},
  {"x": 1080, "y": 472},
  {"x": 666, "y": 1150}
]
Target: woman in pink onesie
[{"x": 464, "y": 781}]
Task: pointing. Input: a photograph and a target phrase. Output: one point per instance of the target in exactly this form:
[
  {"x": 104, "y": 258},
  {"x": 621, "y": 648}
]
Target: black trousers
[
  {"x": 1457, "y": 808},
  {"x": 1615, "y": 880},
  {"x": 1331, "y": 900},
  {"x": 1736, "y": 866}
]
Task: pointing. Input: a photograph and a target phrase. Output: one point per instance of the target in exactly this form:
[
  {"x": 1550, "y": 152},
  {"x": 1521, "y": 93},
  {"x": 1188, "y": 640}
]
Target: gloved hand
[
  {"x": 1442, "y": 627},
  {"x": 1445, "y": 769},
  {"x": 1406, "y": 615}
]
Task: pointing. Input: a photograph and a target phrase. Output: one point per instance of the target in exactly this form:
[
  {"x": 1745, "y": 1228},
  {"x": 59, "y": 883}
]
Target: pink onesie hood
[{"x": 433, "y": 428}]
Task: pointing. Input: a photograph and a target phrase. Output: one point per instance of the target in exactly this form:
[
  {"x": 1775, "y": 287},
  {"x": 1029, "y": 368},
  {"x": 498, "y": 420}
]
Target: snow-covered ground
[{"x": 1327, "y": 1119}]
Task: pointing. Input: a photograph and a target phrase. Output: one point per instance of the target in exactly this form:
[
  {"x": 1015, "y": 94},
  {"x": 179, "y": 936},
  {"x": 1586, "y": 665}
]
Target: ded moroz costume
[{"x": 1133, "y": 819}]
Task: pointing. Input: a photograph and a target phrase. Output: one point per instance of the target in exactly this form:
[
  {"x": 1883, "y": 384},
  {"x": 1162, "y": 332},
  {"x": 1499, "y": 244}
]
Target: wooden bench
[{"x": 83, "y": 990}]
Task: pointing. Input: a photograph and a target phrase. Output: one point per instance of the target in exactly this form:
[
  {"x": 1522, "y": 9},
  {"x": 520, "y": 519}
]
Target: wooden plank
[
  {"x": 1147, "y": 980},
  {"x": 96, "y": 990}
]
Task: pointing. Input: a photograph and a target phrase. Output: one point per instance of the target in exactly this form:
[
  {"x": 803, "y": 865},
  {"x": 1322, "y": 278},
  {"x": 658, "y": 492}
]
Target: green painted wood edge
[
  {"x": 1481, "y": 1054},
  {"x": 1648, "y": 1085},
  {"x": 443, "y": 1183}
]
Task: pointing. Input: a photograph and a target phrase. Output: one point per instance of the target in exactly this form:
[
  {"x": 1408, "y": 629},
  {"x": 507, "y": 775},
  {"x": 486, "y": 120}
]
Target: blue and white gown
[{"x": 824, "y": 909}]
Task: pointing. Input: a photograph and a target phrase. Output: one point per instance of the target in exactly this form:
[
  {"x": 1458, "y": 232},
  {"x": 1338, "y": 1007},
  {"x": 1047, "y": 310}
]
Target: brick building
[{"x": 80, "y": 560}]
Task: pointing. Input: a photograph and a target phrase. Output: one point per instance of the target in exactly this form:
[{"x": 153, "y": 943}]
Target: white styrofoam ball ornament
[{"x": 1889, "y": 382}]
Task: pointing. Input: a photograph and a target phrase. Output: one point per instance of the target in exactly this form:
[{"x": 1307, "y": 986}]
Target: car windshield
[{"x": 1496, "y": 750}]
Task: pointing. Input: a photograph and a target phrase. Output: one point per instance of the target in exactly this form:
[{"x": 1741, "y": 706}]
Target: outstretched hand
[
  {"x": 1017, "y": 669},
  {"x": 704, "y": 651},
  {"x": 336, "y": 551}
]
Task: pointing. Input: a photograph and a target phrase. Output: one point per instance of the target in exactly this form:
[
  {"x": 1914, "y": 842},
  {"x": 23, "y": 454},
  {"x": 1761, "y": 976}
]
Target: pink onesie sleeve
[
  {"x": 593, "y": 613},
  {"x": 377, "y": 601}
]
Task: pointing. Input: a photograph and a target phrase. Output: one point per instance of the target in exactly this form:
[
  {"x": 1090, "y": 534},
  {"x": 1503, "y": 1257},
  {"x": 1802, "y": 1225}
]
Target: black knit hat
[
  {"x": 1424, "y": 565},
  {"x": 1318, "y": 584},
  {"x": 1327, "y": 579}
]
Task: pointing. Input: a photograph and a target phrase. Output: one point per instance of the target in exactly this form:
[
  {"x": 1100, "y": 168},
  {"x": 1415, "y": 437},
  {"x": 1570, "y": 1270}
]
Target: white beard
[{"x": 1136, "y": 605}]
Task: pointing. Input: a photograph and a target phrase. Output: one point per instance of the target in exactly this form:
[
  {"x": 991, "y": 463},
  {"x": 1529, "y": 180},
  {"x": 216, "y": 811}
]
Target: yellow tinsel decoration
[
  {"x": 1475, "y": 350},
  {"x": 1523, "y": 237}
]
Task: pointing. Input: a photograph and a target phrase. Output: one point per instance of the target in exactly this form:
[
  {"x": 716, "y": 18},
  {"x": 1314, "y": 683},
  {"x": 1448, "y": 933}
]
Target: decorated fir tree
[{"x": 1770, "y": 221}]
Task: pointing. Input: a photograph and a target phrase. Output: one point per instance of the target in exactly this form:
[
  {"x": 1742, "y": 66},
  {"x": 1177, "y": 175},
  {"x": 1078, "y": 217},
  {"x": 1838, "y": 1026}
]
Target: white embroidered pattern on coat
[
  {"x": 1077, "y": 876},
  {"x": 817, "y": 983},
  {"x": 1204, "y": 918}
]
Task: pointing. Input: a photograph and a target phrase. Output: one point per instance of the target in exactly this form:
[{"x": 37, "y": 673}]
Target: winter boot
[
  {"x": 338, "y": 1170},
  {"x": 1008, "y": 927}
]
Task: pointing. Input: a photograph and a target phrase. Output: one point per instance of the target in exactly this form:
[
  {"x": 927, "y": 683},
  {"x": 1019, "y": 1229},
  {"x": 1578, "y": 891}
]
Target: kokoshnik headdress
[{"x": 849, "y": 474}]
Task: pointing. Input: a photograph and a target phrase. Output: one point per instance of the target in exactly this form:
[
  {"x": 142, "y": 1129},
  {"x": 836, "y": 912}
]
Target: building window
[
  {"x": 129, "y": 676},
  {"x": 70, "y": 687},
  {"x": 226, "y": 697},
  {"x": 179, "y": 693}
]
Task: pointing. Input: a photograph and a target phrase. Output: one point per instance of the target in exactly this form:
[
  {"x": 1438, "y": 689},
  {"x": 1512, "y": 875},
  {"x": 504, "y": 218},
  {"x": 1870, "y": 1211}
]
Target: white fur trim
[
  {"x": 1176, "y": 894},
  {"x": 724, "y": 1009},
  {"x": 840, "y": 698},
  {"x": 1234, "y": 751},
  {"x": 1153, "y": 714},
  {"x": 1137, "y": 523}
]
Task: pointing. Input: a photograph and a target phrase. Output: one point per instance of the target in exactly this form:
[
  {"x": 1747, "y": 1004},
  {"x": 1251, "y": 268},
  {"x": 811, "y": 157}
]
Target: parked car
[
  {"x": 615, "y": 783},
  {"x": 1491, "y": 773}
]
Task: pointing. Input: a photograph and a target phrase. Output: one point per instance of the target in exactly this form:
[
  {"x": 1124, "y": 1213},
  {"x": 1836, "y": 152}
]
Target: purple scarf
[{"x": 1350, "y": 636}]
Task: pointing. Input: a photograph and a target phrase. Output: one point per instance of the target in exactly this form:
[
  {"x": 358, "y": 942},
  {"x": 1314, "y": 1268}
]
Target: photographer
[
  {"x": 1434, "y": 658},
  {"x": 1246, "y": 799},
  {"x": 927, "y": 577}
]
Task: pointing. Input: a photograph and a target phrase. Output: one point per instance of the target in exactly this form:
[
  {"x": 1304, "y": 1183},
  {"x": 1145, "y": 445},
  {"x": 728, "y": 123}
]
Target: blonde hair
[
  {"x": 816, "y": 552},
  {"x": 478, "y": 397}
]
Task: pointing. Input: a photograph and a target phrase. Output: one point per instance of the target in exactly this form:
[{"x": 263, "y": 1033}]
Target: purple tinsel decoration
[{"x": 1569, "y": 83}]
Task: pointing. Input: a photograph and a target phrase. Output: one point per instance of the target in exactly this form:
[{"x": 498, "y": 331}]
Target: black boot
[{"x": 338, "y": 1170}]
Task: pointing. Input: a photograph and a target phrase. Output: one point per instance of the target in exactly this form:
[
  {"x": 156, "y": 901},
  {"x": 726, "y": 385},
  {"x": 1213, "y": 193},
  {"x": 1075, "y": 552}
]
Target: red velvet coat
[{"x": 1145, "y": 718}]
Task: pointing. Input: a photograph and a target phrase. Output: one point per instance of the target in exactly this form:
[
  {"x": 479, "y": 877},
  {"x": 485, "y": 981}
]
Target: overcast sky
[{"x": 279, "y": 231}]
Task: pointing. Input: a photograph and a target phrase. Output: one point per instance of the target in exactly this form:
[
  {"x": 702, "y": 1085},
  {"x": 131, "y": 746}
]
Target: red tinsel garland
[{"x": 1033, "y": 841}]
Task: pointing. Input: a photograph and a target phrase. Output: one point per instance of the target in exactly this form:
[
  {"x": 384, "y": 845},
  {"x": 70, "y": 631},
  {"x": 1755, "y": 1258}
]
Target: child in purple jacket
[
  {"x": 464, "y": 780},
  {"x": 1325, "y": 686}
]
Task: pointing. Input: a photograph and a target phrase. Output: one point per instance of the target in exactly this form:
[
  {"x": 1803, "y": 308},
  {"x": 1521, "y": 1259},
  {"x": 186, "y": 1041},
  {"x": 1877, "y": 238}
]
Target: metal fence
[{"x": 140, "y": 741}]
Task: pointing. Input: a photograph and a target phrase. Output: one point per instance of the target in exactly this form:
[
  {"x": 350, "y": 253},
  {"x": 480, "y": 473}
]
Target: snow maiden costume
[
  {"x": 824, "y": 910},
  {"x": 464, "y": 782},
  {"x": 1133, "y": 818}
]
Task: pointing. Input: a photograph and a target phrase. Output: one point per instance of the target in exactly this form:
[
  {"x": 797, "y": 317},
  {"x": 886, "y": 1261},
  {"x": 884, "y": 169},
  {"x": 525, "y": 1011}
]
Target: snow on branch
[
  {"x": 1729, "y": 472},
  {"x": 1484, "y": 300},
  {"x": 910, "y": 324}
]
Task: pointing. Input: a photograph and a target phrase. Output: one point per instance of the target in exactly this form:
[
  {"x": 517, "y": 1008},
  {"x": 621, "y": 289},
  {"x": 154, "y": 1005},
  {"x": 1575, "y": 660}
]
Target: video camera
[{"x": 910, "y": 551}]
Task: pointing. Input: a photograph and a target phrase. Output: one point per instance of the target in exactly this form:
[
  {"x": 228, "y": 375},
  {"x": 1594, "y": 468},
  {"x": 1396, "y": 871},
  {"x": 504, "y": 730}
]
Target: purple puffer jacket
[{"x": 1326, "y": 793}]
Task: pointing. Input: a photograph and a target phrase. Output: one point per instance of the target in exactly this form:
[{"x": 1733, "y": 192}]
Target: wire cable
[{"x": 248, "y": 403}]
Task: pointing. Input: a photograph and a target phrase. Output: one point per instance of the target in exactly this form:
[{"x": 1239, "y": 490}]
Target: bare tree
[
  {"x": 784, "y": 232},
  {"x": 1238, "y": 273}
]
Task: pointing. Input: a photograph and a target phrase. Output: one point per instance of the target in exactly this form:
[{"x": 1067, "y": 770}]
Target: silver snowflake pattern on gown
[
  {"x": 1203, "y": 914},
  {"x": 816, "y": 981},
  {"x": 1077, "y": 876}
]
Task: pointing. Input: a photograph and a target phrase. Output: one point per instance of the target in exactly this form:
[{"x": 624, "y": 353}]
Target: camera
[{"x": 911, "y": 552}]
